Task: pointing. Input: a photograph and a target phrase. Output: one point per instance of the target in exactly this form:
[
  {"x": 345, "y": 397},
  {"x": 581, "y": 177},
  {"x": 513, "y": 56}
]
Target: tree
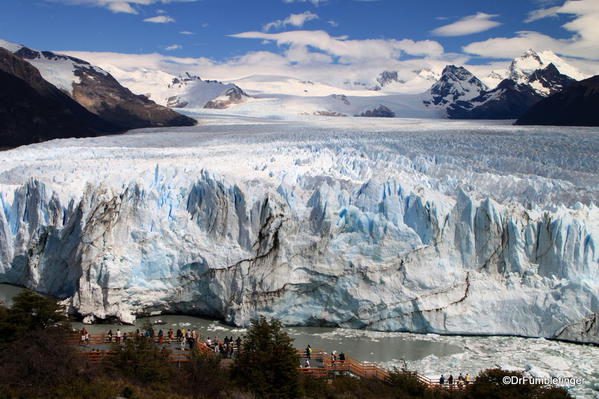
[
  {"x": 141, "y": 359},
  {"x": 203, "y": 376},
  {"x": 30, "y": 312},
  {"x": 35, "y": 353},
  {"x": 268, "y": 363}
]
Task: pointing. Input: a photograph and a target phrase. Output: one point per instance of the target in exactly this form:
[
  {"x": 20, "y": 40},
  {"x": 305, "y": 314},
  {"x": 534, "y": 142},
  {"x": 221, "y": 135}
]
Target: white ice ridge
[{"x": 395, "y": 225}]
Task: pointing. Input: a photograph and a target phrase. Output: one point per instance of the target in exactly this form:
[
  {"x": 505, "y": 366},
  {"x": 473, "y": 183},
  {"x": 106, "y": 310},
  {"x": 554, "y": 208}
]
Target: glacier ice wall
[{"x": 360, "y": 237}]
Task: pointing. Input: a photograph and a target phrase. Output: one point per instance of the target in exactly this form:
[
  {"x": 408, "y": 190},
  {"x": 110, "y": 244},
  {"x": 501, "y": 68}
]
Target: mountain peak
[
  {"x": 456, "y": 83},
  {"x": 521, "y": 68}
]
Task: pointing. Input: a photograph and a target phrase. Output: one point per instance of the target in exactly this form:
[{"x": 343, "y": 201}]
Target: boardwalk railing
[{"x": 321, "y": 364}]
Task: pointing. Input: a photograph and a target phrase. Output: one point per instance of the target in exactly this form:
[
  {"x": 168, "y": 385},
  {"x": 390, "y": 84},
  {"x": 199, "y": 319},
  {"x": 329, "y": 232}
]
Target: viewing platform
[{"x": 99, "y": 348}]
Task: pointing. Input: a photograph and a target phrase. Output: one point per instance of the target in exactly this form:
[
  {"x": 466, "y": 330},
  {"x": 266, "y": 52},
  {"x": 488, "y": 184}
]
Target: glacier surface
[{"x": 394, "y": 225}]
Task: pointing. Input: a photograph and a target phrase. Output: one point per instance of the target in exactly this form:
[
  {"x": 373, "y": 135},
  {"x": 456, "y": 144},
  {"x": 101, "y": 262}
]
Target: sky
[{"x": 228, "y": 39}]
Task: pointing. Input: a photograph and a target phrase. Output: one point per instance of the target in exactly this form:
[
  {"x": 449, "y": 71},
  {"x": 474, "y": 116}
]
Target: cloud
[
  {"x": 186, "y": 32},
  {"x": 542, "y": 13},
  {"x": 349, "y": 50},
  {"x": 315, "y": 2},
  {"x": 296, "y": 62},
  {"x": 333, "y": 23},
  {"x": 119, "y": 6},
  {"x": 160, "y": 19},
  {"x": 468, "y": 25},
  {"x": 584, "y": 15},
  {"x": 173, "y": 47},
  {"x": 294, "y": 19}
]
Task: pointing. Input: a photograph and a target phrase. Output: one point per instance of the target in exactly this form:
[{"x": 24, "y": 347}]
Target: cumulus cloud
[
  {"x": 468, "y": 25},
  {"x": 119, "y": 6},
  {"x": 160, "y": 19},
  {"x": 583, "y": 42},
  {"x": 173, "y": 47},
  {"x": 294, "y": 19},
  {"x": 349, "y": 50}
]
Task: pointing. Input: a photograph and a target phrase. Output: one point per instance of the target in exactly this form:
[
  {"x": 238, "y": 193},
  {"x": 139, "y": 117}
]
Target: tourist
[
  {"x": 83, "y": 335},
  {"x": 307, "y": 363},
  {"x": 179, "y": 334},
  {"x": 442, "y": 380},
  {"x": 342, "y": 358},
  {"x": 308, "y": 352},
  {"x": 109, "y": 335},
  {"x": 468, "y": 379},
  {"x": 118, "y": 335},
  {"x": 450, "y": 380},
  {"x": 461, "y": 380},
  {"x": 238, "y": 344},
  {"x": 333, "y": 358}
]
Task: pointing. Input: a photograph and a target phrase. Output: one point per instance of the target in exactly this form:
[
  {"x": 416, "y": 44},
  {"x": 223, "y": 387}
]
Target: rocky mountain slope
[
  {"x": 33, "y": 110},
  {"x": 577, "y": 105},
  {"x": 98, "y": 91}
]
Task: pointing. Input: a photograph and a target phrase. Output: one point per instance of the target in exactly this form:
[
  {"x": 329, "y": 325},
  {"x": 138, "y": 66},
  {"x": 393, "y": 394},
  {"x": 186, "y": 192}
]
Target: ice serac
[{"x": 313, "y": 235}]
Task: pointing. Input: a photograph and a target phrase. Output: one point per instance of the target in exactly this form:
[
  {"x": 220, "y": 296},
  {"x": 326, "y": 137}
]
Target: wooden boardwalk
[{"x": 98, "y": 349}]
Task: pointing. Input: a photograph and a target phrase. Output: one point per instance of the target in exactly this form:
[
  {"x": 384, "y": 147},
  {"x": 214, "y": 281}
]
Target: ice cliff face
[{"x": 346, "y": 231}]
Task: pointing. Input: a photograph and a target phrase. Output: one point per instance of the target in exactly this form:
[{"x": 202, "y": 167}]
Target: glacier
[{"x": 447, "y": 227}]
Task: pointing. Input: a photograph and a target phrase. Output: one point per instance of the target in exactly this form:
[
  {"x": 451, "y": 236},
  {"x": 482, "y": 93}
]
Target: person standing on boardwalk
[
  {"x": 450, "y": 380},
  {"x": 442, "y": 380},
  {"x": 118, "y": 335},
  {"x": 308, "y": 352}
]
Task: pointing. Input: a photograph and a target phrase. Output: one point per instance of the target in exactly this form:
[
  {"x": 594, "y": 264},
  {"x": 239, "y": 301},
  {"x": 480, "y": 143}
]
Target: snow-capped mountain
[
  {"x": 521, "y": 68},
  {"x": 529, "y": 79},
  {"x": 508, "y": 100},
  {"x": 456, "y": 84},
  {"x": 427, "y": 226},
  {"x": 34, "y": 110},
  {"x": 190, "y": 91},
  {"x": 390, "y": 81},
  {"x": 387, "y": 78},
  {"x": 97, "y": 91},
  {"x": 548, "y": 81}
]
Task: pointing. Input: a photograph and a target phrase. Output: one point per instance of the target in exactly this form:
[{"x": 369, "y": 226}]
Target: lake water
[{"x": 381, "y": 350}]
